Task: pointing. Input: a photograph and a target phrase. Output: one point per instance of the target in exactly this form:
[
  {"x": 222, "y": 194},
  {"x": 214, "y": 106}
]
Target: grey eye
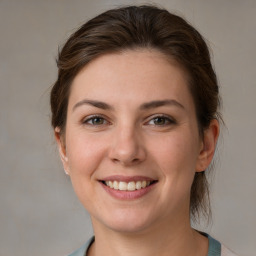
[
  {"x": 95, "y": 120},
  {"x": 160, "y": 121}
]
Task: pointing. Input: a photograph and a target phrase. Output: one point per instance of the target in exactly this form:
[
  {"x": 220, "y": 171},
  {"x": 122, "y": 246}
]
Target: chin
[
  {"x": 127, "y": 221},
  {"x": 129, "y": 227}
]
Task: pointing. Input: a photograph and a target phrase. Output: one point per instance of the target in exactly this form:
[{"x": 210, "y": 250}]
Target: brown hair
[{"x": 143, "y": 27}]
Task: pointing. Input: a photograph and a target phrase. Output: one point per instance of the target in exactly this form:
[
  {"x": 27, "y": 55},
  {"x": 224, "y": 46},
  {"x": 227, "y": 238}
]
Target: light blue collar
[{"x": 214, "y": 247}]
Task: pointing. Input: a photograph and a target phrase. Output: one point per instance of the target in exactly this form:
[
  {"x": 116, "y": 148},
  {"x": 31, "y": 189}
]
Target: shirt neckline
[{"x": 213, "y": 250}]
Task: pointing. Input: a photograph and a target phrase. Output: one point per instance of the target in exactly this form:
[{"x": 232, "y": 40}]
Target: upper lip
[{"x": 127, "y": 178}]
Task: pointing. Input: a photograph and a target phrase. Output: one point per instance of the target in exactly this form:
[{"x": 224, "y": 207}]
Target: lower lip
[{"x": 128, "y": 195}]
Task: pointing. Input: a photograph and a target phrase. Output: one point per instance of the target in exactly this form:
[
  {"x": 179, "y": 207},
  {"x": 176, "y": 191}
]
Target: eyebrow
[
  {"x": 95, "y": 103},
  {"x": 160, "y": 103},
  {"x": 144, "y": 106}
]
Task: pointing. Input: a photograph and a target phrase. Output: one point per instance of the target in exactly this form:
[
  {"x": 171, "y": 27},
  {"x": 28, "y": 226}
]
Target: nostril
[{"x": 126, "y": 161}]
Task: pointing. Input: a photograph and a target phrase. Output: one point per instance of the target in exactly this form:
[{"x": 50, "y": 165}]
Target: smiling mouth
[{"x": 128, "y": 186}]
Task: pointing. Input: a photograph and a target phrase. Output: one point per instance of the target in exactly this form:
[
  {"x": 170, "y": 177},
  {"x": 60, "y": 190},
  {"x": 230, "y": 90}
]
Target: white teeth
[
  {"x": 115, "y": 185},
  {"x": 143, "y": 184},
  {"x": 138, "y": 185},
  {"x": 130, "y": 186},
  {"x": 110, "y": 184},
  {"x": 122, "y": 185}
]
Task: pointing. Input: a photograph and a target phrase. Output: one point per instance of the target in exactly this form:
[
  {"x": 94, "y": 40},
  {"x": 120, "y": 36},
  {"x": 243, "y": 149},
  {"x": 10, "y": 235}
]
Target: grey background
[{"x": 40, "y": 214}]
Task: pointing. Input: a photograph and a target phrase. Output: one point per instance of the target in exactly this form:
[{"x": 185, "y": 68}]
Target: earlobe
[
  {"x": 62, "y": 149},
  {"x": 210, "y": 138}
]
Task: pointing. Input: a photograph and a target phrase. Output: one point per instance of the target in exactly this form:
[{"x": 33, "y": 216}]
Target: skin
[{"x": 160, "y": 142}]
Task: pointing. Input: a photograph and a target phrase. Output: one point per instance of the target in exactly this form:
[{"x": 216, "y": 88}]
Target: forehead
[{"x": 140, "y": 74}]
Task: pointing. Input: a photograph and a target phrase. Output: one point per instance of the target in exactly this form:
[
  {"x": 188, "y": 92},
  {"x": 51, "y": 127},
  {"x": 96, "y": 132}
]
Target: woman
[{"x": 135, "y": 113}]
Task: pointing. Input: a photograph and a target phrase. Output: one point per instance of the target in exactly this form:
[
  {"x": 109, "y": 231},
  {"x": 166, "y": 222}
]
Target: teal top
[{"x": 213, "y": 250}]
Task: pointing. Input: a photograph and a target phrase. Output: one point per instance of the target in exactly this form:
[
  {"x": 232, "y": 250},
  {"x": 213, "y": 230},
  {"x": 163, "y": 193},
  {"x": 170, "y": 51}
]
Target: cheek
[
  {"x": 177, "y": 148},
  {"x": 176, "y": 156},
  {"x": 84, "y": 153}
]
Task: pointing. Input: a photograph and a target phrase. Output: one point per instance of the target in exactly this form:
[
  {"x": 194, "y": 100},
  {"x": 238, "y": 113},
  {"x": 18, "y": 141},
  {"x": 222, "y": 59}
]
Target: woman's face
[{"x": 131, "y": 123}]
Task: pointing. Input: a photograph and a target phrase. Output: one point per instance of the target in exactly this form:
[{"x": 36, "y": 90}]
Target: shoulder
[
  {"x": 83, "y": 250},
  {"x": 216, "y": 248},
  {"x": 226, "y": 252}
]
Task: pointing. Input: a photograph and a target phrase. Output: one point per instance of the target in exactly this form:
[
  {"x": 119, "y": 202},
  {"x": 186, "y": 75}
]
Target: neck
[{"x": 177, "y": 239}]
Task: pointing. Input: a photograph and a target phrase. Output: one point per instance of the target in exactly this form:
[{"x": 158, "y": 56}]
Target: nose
[{"x": 127, "y": 147}]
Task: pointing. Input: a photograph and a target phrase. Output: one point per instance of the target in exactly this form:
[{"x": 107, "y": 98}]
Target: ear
[
  {"x": 62, "y": 149},
  {"x": 209, "y": 141}
]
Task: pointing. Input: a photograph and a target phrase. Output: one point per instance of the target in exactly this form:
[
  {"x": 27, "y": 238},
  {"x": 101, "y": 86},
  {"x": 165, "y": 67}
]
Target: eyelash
[
  {"x": 93, "y": 117},
  {"x": 167, "y": 120}
]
